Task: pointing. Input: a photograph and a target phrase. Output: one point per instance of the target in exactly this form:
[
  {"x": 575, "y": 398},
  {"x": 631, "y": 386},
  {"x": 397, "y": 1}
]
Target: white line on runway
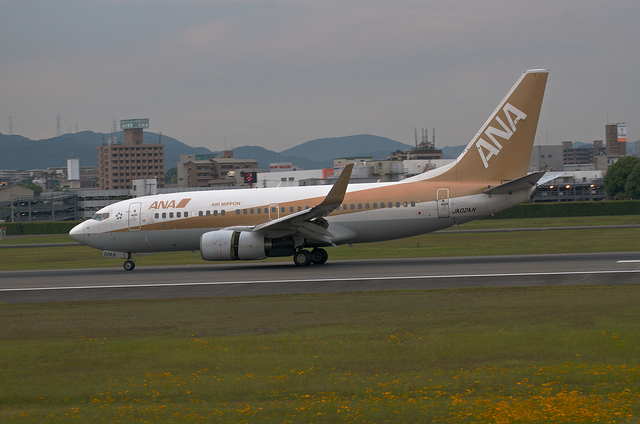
[
  {"x": 321, "y": 280},
  {"x": 630, "y": 261}
]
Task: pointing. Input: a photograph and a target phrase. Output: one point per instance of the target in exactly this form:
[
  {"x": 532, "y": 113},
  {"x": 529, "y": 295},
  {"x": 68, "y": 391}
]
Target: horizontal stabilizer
[
  {"x": 522, "y": 183},
  {"x": 550, "y": 176}
]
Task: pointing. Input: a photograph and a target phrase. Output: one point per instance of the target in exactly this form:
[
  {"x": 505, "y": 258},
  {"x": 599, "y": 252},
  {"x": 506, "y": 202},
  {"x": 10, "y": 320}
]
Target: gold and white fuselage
[{"x": 489, "y": 176}]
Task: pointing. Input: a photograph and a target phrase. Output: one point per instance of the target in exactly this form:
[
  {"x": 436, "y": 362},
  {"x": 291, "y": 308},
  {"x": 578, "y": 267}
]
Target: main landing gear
[{"x": 316, "y": 256}]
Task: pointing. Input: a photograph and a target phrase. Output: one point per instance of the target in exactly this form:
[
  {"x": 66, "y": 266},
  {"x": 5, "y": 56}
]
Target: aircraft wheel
[
  {"x": 319, "y": 256},
  {"x": 302, "y": 258},
  {"x": 129, "y": 265}
]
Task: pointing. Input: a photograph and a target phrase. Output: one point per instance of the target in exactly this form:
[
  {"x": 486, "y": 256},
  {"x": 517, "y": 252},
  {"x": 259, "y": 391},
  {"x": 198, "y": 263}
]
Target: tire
[
  {"x": 129, "y": 265},
  {"x": 302, "y": 258},
  {"x": 319, "y": 256}
]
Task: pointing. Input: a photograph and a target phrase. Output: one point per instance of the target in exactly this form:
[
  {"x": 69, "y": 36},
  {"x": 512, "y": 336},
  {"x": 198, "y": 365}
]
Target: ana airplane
[{"x": 490, "y": 175}]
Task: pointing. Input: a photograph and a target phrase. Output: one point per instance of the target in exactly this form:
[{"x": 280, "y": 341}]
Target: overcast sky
[{"x": 277, "y": 73}]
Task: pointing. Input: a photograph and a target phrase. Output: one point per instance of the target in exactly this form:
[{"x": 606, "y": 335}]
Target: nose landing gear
[{"x": 129, "y": 264}]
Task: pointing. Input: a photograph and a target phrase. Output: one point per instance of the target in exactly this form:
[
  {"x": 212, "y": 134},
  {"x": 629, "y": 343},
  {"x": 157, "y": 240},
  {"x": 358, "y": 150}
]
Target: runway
[{"x": 258, "y": 278}]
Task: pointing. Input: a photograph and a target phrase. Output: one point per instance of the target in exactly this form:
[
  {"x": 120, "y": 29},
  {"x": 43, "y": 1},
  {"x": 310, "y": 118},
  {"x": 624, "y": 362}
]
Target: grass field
[
  {"x": 470, "y": 356},
  {"x": 519, "y": 355}
]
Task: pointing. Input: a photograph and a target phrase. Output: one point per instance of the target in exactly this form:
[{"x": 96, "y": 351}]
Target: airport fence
[
  {"x": 38, "y": 227},
  {"x": 569, "y": 209}
]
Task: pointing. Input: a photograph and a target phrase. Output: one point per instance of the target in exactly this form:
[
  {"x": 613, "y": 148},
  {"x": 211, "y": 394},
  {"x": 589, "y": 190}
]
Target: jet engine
[{"x": 227, "y": 245}]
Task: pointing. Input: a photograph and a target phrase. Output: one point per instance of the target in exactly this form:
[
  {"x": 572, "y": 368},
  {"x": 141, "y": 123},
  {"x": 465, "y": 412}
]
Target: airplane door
[
  {"x": 274, "y": 211},
  {"x": 135, "y": 218},
  {"x": 443, "y": 203}
]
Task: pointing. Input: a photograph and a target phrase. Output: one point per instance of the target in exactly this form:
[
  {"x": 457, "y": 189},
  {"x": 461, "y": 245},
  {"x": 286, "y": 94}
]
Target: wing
[{"x": 309, "y": 223}]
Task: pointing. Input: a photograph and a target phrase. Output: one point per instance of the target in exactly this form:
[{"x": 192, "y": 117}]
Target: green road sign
[{"x": 127, "y": 124}]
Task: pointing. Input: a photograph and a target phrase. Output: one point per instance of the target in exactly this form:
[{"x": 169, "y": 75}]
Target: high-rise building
[
  {"x": 120, "y": 163},
  {"x": 616, "y": 139}
]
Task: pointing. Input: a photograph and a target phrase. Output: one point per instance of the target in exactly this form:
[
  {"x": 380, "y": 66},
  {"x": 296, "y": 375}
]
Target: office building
[{"x": 120, "y": 163}]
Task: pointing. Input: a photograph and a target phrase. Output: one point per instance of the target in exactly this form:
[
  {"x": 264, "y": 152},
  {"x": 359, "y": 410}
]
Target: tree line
[{"x": 622, "y": 180}]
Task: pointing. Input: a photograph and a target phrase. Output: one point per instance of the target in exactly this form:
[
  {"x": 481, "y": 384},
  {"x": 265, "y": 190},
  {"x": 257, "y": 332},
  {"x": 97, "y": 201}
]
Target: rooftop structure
[{"x": 119, "y": 164}]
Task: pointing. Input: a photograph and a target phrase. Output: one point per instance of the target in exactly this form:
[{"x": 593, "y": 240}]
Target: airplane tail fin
[{"x": 501, "y": 150}]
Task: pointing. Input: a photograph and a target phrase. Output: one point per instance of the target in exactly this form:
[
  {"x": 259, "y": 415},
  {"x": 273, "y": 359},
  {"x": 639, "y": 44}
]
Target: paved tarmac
[{"x": 259, "y": 278}]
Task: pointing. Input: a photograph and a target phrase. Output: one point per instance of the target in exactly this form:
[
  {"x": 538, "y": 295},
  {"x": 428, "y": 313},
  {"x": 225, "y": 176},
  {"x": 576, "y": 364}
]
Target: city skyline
[{"x": 278, "y": 73}]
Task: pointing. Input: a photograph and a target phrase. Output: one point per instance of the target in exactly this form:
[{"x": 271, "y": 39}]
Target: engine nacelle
[{"x": 228, "y": 245}]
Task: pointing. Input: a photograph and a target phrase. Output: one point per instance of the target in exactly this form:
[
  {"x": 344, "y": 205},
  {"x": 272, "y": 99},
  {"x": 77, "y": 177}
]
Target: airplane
[{"x": 490, "y": 175}]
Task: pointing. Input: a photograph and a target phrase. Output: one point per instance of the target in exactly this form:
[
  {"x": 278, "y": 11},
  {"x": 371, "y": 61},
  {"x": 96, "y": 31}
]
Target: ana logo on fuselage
[
  {"x": 168, "y": 204},
  {"x": 488, "y": 150}
]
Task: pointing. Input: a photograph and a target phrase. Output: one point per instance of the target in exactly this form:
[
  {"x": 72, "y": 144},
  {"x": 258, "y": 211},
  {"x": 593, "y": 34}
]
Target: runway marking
[
  {"x": 321, "y": 280},
  {"x": 630, "y": 261}
]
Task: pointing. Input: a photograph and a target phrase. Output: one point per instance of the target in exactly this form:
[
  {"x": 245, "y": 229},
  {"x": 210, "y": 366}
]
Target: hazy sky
[{"x": 282, "y": 72}]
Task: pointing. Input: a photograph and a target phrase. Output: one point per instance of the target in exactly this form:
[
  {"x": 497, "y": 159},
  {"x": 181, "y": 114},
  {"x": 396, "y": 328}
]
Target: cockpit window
[{"x": 100, "y": 216}]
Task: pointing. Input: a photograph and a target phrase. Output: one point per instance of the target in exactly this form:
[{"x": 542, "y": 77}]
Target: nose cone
[{"x": 77, "y": 232}]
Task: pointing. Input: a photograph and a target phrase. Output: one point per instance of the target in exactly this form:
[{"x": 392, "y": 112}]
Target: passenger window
[
  {"x": 282, "y": 209},
  {"x": 367, "y": 206},
  {"x": 215, "y": 212},
  {"x": 200, "y": 213},
  {"x": 244, "y": 211},
  {"x": 353, "y": 206},
  {"x": 208, "y": 213},
  {"x": 259, "y": 210},
  {"x": 299, "y": 208},
  {"x": 390, "y": 204},
  {"x": 413, "y": 204},
  {"x": 222, "y": 212},
  {"x": 170, "y": 214},
  {"x": 266, "y": 210},
  {"x": 177, "y": 214},
  {"x": 397, "y": 204},
  {"x": 290, "y": 208},
  {"x": 186, "y": 214},
  {"x": 405, "y": 204},
  {"x": 382, "y": 205},
  {"x": 237, "y": 211},
  {"x": 359, "y": 205},
  {"x": 157, "y": 215}
]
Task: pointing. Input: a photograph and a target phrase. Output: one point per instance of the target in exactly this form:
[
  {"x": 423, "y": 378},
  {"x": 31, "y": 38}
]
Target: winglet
[
  {"x": 329, "y": 204},
  {"x": 336, "y": 195}
]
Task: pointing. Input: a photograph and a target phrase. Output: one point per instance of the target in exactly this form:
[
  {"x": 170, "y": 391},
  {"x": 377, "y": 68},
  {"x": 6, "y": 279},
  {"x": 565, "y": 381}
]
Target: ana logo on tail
[{"x": 488, "y": 150}]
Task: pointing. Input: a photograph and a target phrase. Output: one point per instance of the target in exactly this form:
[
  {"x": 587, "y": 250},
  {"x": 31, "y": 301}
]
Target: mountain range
[{"x": 17, "y": 152}]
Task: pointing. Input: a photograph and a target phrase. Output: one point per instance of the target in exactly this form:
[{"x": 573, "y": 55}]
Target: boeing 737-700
[{"x": 490, "y": 175}]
